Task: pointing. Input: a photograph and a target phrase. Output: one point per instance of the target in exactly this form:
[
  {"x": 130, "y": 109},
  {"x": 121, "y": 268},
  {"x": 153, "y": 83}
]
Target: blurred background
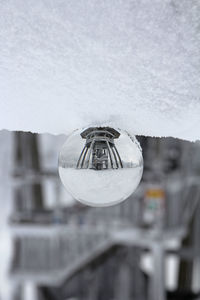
[{"x": 54, "y": 248}]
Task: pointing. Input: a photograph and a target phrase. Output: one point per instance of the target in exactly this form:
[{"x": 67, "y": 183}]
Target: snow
[
  {"x": 103, "y": 188},
  {"x": 124, "y": 63}
]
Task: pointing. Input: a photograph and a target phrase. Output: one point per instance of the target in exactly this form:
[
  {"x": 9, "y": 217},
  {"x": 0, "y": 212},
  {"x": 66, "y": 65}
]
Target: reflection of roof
[{"x": 110, "y": 130}]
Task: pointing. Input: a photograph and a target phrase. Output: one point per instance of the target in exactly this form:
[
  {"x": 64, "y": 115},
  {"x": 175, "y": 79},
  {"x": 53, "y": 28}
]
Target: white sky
[{"x": 125, "y": 63}]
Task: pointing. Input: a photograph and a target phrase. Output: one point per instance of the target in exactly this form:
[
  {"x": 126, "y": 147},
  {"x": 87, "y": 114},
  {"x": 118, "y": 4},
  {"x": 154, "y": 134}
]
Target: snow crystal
[{"x": 125, "y": 63}]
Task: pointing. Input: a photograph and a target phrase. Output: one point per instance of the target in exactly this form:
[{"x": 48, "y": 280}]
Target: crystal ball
[{"x": 100, "y": 166}]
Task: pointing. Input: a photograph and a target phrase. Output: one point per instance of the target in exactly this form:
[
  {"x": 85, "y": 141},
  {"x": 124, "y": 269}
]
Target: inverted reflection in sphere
[{"x": 100, "y": 166}]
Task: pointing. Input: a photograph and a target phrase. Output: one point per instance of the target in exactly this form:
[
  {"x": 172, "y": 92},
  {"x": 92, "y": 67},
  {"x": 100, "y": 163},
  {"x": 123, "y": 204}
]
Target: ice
[{"x": 124, "y": 63}]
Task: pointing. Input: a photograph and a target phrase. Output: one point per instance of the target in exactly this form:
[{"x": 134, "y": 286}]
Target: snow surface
[
  {"x": 133, "y": 64},
  {"x": 101, "y": 188}
]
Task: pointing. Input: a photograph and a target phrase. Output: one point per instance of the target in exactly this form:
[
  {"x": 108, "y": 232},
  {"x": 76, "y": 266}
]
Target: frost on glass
[{"x": 100, "y": 166}]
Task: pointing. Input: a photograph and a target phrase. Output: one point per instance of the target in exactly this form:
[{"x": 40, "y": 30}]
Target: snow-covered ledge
[{"x": 128, "y": 64}]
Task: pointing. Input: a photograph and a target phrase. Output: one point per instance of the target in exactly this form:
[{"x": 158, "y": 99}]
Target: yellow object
[{"x": 155, "y": 193}]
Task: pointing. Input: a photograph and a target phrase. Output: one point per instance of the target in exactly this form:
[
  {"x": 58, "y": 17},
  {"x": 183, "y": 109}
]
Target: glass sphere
[{"x": 100, "y": 166}]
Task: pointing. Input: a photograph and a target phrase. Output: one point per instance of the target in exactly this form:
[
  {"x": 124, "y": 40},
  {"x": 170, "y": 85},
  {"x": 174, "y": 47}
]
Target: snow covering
[{"x": 133, "y": 64}]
